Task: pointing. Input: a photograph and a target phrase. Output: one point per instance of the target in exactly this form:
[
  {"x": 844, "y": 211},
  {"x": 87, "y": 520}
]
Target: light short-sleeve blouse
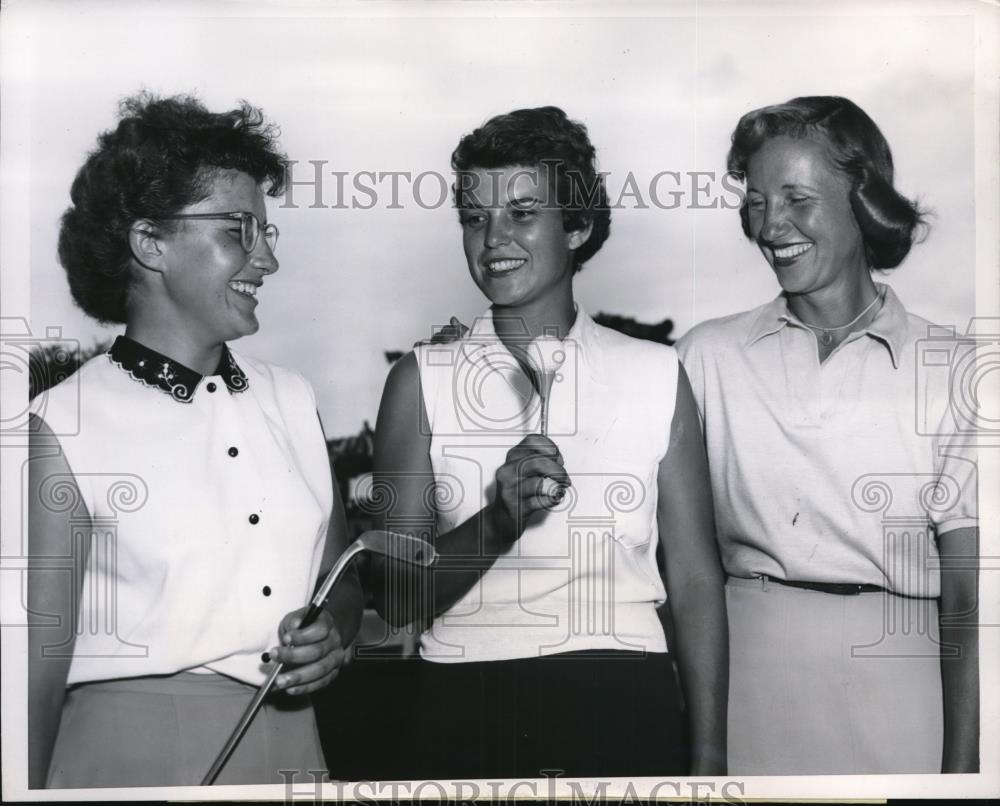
[{"x": 840, "y": 471}]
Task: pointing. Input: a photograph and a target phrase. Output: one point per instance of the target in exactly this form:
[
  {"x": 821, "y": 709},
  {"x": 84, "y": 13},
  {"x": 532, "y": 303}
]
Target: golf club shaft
[
  {"x": 241, "y": 726},
  {"x": 315, "y": 606}
]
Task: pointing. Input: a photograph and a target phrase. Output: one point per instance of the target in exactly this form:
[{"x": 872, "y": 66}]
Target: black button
[
  {"x": 265, "y": 658},
  {"x": 267, "y": 590},
  {"x": 210, "y": 386},
  {"x": 255, "y": 519},
  {"x": 234, "y": 451}
]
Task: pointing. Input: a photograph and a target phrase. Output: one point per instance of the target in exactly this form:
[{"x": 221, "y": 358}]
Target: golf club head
[
  {"x": 546, "y": 354},
  {"x": 397, "y": 546}
]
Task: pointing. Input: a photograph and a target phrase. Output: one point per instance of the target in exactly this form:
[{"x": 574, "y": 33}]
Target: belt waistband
[{"x": 837, "y": 588}]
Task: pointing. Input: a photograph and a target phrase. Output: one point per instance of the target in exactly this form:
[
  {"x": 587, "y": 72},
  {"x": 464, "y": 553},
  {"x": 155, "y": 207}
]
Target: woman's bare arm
[
  {"x": 404, "y": 478},
  {"x": 695, "y": 584},
  {"x": 55, "y": 560},
  {"x": 959, "y": 617}
]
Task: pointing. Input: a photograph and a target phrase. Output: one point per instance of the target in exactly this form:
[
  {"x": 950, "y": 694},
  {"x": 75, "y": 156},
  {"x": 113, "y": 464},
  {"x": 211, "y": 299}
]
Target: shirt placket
[
  {"x": 803, "y": 374},
  {"x": 834, "y": 374},
  {"x": 564, "y": 395},
  {"x": 246, "y": 514}
]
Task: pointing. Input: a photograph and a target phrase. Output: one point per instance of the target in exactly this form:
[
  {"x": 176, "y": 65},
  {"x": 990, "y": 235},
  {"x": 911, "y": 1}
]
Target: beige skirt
[
  {"x": 825, "y": 684},
  {"x": 167, "y": 731}
]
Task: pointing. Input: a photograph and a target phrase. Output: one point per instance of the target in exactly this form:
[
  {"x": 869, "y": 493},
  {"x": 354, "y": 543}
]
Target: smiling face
[
  {"x": 800, "y": 215},
  {"x": 515, "y": 244},
  {"x": 211, "y": 282}
]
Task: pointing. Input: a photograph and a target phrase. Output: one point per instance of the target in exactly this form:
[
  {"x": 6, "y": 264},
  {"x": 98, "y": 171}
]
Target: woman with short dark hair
[
  {"x": 561, "y": 149},
  {"x": 850, "y": 651},
  {"x": 188, "y": 484},
  {"x": 548, "y": 458}
]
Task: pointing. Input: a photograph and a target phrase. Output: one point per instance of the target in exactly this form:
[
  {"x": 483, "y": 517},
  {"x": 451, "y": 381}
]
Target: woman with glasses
[{"x": 187, "y": 484}]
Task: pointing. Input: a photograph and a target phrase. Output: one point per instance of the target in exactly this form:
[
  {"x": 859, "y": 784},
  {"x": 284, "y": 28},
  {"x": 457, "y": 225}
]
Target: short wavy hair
[
  {"x": 160, "y": 158},
  {"x": 889, "y": 222},
  {"x": 544, "y": 137}
]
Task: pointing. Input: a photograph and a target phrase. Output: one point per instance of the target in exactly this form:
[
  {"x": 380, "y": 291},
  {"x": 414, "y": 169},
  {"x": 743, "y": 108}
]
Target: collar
[
  {"x": 482, "y": 341},
  {"x": 888, "y": 326},
  {"x": 154, "y": 369}
]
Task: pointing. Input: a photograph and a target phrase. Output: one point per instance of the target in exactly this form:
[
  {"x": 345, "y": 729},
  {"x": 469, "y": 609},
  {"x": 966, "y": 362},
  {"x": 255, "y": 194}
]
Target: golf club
[
  {"x": 546, "y": 354},
  {"x": 389, "y": 544}
]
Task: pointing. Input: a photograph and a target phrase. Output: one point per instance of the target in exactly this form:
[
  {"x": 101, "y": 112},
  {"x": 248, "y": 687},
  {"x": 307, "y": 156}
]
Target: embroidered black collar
[{"x": 153, "y": 369}]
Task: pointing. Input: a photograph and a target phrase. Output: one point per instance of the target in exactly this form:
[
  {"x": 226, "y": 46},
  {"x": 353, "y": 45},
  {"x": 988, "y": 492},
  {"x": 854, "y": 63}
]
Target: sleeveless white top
[
  {"x": 209, "y": 499},
  {"x": 583, "y": 575}
]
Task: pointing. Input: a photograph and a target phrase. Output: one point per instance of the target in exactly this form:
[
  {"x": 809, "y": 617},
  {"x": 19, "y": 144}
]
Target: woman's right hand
[
  {"x": 402, "y": 464},
  {"x": 532, "y": 478}
]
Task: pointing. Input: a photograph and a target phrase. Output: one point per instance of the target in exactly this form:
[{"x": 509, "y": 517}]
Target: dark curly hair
[
  {"x": 889, "y": 222},
  {"x": 547, "y": 139},
  {"x": 161, "y": 158}
]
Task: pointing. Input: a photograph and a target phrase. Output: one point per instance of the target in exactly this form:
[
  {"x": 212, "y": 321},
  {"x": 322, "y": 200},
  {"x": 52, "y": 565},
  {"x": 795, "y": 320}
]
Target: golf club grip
[{"x": 311, "y": 614}]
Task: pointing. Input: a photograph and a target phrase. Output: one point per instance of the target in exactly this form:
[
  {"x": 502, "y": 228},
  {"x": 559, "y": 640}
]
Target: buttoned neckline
[{"x": 155, "y": 370}]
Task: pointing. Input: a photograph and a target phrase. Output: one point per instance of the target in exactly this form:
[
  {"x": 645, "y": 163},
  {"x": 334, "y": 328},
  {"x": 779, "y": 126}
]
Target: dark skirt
[{"x": 586, "y": 714}]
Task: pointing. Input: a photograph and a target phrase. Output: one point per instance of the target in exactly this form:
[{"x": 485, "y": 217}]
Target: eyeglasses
[{"x": 250, "y": 227}]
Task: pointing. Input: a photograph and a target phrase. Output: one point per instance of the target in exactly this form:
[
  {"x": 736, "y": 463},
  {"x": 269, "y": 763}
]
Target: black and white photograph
[{"x": 580, "y": 401}]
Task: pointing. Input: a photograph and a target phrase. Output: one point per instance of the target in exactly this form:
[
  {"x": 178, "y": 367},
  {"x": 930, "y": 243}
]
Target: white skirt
[
  {"x": 821, "y": 683},
  {"x": 167, "y": 731}
]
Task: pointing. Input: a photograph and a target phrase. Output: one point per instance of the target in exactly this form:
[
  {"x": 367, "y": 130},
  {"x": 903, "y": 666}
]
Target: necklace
[{"x": 826, "y": 333}]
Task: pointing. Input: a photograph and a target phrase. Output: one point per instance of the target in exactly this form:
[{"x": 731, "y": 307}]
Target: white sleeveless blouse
[
  {"x": 208, "y": 510},
  {"x": 583, "y": 575}
]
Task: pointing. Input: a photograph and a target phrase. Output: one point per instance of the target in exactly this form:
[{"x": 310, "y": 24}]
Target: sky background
[{"x": 657, "y": 91}]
